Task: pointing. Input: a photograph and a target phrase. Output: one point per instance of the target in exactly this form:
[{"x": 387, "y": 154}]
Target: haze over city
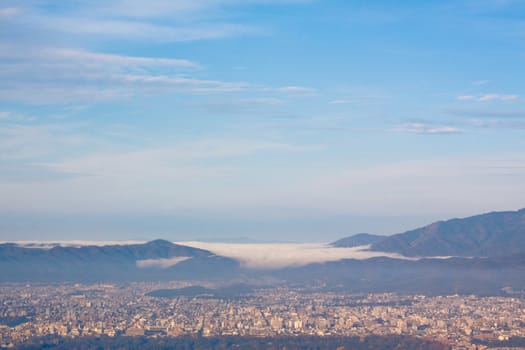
[{"x": 293, "y": 120}]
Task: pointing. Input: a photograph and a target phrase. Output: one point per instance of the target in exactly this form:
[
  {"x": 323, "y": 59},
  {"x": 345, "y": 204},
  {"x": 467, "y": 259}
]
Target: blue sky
[{"x": 289, "y": 120}]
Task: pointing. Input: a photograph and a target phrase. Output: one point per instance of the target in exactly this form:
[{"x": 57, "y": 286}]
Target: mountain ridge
[
  {"x": 356, "y": 240},
  {"x": 490, "y": 234},
  {"x": 110, "y": 262}
]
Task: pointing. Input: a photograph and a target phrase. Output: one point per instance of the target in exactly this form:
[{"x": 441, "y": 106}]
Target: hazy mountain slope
[
  {"x": 154, "y": 249},
  {"x": 492, "y": 234},
  {"x": 109, "y": 263},
  {"x": 356, "y": 240}
]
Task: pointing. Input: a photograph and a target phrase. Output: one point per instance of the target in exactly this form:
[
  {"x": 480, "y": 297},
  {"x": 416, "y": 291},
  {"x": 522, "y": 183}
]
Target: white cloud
[
  {"x": 358, "y": 101},
  {"x": 186, "y": 84},
  {"x": 497, "y": 97},
  {"x": 281, "y": 255},
  {"x": 466, "y": 98},
  {"x": 489, "y": 97},
  {"x": 89, "y": 57},
  {"x": 161, "y": 263},
  {"x": 295, "y": 90},
  {"x": 425, "y": 129},
  {"x": 67, "y": 58},
  {"x": 341, "y": 102}
]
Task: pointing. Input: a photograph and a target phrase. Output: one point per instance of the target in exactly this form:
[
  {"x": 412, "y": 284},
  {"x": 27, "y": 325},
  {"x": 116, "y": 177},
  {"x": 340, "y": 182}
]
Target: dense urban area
[{"x": 76, "y": 310}]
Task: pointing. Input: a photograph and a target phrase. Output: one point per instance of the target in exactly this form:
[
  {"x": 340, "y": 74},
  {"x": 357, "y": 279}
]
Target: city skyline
[{"x": 295, "y": 120}]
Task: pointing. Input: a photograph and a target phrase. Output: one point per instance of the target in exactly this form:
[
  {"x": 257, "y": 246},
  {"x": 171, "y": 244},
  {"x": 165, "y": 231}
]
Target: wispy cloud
[
  {"x": 33, "y": 71},
  {"x": 426, "y": 129},
  {"x": 30, "y": 173},
  {"x": 89, "y": 57},
  {"x": 27, "y": 142},
  {"x": 185, "y": 84},
  {"x": 489, "y": 97},
  {"x": 157, "y": 8},
  {"x": 137, "y": 31},
  {"x": 358, "y": 96},
  {"x": 487, "y": 113},
  {"x": 77, "y": 58},
  {"x": 193, "y": 174},
  {"x": 166, "y": 157},
  {"x": 171, "y": 163},
  {"x": 262, "y": 101},
  {"x": 495, "y": 123},
  {"x": 61, "y": 75},
  {"x": 341, "y": 102},
  {"x": 295, "y": 90},
  {"x": 193, "y": 9},
  {"x": 359, "y": 101},
  {"x": 156, "y": 20},
  {"x": 396, "y": 187}
]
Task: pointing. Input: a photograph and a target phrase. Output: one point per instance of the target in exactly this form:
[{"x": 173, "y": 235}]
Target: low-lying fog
[{"x": 280, "y": 255}]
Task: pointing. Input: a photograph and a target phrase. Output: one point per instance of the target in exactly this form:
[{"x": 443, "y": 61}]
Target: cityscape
[{"x": 78, "y": 310}]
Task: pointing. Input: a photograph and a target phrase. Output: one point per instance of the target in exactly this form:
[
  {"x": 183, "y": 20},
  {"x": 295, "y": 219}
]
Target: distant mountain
[
  {"x": 115, "y": 253},
  {"x": 155, "y": 260},
  {"x": 357, "y": 240},
  {"x": 487, "y": 235},
  {"x": 488, "y": 250}
]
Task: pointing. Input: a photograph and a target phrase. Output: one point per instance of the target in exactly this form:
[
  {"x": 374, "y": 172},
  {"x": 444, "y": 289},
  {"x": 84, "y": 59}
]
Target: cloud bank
[
  {"x": 161, "y": 263},
  {"x": 282, "y": 255}
]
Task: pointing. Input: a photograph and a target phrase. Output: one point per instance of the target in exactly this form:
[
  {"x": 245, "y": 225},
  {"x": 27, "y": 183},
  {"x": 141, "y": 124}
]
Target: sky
[{"x": 289, "y": 120}]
